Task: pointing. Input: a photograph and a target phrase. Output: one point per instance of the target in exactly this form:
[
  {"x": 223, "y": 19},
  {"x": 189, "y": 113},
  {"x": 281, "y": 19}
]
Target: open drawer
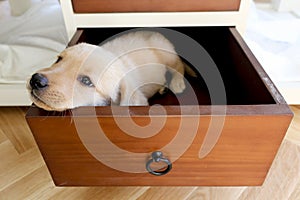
[{"x": 224, "y": 130}]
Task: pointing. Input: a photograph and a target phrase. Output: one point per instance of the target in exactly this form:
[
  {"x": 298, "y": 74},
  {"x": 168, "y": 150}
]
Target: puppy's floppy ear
[
  {"x": 108, "y": 87},
  {"x": 104, "y": 68},
  {"x": 116, "y": 95},
  {"x": 108, "y": 90}
]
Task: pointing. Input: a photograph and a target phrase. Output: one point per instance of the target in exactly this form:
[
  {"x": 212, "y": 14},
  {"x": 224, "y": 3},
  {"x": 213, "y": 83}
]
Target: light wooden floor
[{"x": 23, "y": 174}]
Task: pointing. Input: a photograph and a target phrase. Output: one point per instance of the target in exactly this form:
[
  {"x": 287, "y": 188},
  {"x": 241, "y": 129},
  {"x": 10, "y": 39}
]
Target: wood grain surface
[
  {"x": 99, "y": 6},
  {"x": 242, "y": 155}
]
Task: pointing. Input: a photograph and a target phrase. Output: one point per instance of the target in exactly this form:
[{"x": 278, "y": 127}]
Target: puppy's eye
[
  {"x": 59, "y": 58},
  {"x": 85, "y": 80}
]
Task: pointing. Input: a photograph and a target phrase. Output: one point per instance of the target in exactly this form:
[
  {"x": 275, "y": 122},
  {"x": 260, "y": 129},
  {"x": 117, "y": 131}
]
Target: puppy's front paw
[{"x": 177, "y": 84}]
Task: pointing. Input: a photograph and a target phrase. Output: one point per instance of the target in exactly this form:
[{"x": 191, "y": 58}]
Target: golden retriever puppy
[{"x": 125, "y": 71}]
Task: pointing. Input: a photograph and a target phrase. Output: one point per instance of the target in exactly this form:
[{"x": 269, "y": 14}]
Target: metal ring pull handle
[{"x": 157, "y": 156}]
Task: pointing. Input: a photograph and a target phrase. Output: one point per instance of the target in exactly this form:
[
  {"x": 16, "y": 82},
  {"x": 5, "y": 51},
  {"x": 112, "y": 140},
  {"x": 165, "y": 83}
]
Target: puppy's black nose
[{"x": 38, "y": 81}]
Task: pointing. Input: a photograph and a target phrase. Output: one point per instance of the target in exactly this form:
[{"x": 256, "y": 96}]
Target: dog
[{"x": 125, "y": 71}]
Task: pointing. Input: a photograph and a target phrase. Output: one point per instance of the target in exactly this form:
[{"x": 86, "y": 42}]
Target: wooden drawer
[
  {"x": 103, "y": 6},
  {"x": 224, "y": 130}
]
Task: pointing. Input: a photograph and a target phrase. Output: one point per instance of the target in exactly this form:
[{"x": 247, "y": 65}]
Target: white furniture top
[{"x": 161, "y": 19}]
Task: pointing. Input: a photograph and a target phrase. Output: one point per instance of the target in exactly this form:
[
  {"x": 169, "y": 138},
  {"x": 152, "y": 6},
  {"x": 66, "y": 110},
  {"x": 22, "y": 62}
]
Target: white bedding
[
  {"x": 274, "y": 38},
  {"x": 31, "y": 41}
]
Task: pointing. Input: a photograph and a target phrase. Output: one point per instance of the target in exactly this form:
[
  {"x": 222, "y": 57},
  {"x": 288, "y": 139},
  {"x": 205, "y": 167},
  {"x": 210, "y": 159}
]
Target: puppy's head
[{"x": 81, "y": 76}]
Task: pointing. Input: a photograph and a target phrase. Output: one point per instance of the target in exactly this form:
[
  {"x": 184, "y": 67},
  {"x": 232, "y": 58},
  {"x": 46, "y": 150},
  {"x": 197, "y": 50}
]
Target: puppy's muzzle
[{"x": 38, "y": 81}]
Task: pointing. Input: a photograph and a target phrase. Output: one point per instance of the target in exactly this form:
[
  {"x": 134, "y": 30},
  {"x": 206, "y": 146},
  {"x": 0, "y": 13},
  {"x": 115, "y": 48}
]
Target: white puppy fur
[{"x": 124, "y": 71}]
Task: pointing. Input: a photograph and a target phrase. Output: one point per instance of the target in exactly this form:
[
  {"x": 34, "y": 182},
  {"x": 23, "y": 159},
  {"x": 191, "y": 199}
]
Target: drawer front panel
[
  {"x": 242, "y": 155},
  {"x": 103, "y": 6}
]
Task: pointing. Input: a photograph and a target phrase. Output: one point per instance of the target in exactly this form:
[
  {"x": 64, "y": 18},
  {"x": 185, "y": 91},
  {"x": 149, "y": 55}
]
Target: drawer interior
[{"x": 242, "y": 82}]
